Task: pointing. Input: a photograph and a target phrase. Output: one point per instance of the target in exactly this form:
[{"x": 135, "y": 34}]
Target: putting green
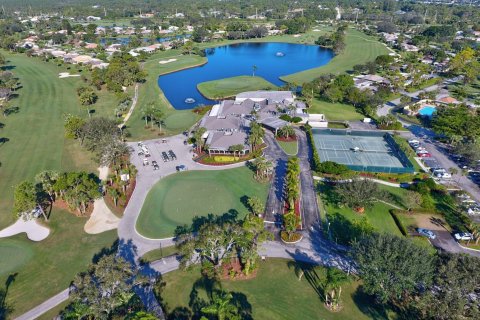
[
  {"x": 14, "y": 254},
  {"x": 175, "y": 200}
]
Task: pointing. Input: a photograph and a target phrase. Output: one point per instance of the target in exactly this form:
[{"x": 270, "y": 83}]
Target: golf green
[
  {"x": 175, "y": 200},
  {"x": 229, "y": 87},
  {"x": 14, "y": 254}
]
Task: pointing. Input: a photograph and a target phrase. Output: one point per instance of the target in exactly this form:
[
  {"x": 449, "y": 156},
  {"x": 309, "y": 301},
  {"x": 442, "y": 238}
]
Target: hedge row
[
  {"x": 399, "y": 224},
  {"x": 315, "y": 161}
]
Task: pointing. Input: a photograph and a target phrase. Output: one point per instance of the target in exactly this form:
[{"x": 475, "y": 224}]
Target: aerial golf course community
[{"x": 154, "y": 166}]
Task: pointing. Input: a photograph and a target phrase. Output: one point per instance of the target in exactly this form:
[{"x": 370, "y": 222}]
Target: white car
[
  {"x": 427, "y": 233},
  {"x": 413, "y": 141},
  {"x": 463, "y": 236}
]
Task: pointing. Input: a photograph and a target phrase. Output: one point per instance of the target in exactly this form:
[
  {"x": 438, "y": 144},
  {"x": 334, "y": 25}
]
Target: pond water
[
  {"x": 427, "y": 111},
  {"x": 237, "y": 60}
]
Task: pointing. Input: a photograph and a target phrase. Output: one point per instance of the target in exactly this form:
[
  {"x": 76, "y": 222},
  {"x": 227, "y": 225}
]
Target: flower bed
[
  {"x": 296, "y": 237},
  {"x": 289, "y": 139}
]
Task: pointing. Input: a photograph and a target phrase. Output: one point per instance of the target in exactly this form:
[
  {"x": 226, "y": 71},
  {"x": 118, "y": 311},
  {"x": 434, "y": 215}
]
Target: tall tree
[{"x": 392, "y": 267}]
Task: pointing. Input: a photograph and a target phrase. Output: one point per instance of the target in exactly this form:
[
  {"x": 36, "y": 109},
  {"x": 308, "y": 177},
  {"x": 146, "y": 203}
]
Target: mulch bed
[
  {"x": 289, "y": 139},
  {"x": 121, "y": 204},
  {"x": 61, "y": 204},
  {"x": 237, "y": 267}
]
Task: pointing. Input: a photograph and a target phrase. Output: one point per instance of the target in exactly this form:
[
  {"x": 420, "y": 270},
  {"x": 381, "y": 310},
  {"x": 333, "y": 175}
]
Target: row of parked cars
[
  {"x": 461, "y": 236},
  {"x": 436, "y": 170}
]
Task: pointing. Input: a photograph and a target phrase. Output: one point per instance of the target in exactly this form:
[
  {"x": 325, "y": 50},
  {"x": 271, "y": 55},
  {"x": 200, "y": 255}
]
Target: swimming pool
[{"x": 427, "y": 111}]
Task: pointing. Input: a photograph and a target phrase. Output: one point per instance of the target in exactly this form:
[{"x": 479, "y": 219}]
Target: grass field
[
  {"x": 359, "y": 48},
  {"x": 378, "y": 215},
  {"x": 276, "y": 293},
  {"x": 229, "y": 87},
  {"x": 334, "y": 111},
  {"x": 176, "y": 121},
  {"x": 43, "y": 269},
  {"x": 290, "y": 147},
  {"x": 175, "y": 200}
]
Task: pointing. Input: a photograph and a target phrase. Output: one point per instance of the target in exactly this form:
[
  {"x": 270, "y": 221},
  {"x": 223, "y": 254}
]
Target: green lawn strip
[
  {"x": 36, "y": 133},
  {"x": 275, "y": 293},
  {"x": 158, "y": 254},
  {"x": 378, "y": 215},
  {"x": 335, "y": 111},
  {"x": 230, "y": 87},
  {"x": 45, "y": 268},
  {"x": 176, "y": 121},
  {"x": 359, "y": 49},
  {"x": 290, "y": 147},
  {"x": 178, "y": 198}
]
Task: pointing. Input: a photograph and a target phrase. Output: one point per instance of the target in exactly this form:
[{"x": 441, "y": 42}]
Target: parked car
[
  {"x": 165, "y": 157},
  {"x": 147, "y": 154},
  {"x": 424, "y": 155},
  {"x": 427, "y": 233},
  {"x": 145, "y": 162},
  {"x": 172, "y": 155},
  {"x": 463, "y": 236},
  {"x": 181, "y": 168},
  {"x": 413, "y": 141}
]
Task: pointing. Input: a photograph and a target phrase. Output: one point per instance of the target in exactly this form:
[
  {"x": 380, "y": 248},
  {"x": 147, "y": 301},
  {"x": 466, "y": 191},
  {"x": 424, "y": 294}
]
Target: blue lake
[{"x": 237, "y": 60}]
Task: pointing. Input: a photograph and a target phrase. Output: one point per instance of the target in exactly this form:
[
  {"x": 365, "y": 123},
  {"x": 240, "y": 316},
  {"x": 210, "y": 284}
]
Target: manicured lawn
[
  {"x": 36, "y": 133},
  {"x": 359, "y": 49},
  {"x": 158, "y": 254},
  {"x": 276, "y": 293},
  {"x": 176, "y": 121},
  {"x": 175, "y": 200},
  {"x": 335, "y": 111},
  {"x": 378, "y": 215},
  {"x": 229, "y": 87},
  {"x": 45, "y": 268},
  {"x": 290, "y": 147}
]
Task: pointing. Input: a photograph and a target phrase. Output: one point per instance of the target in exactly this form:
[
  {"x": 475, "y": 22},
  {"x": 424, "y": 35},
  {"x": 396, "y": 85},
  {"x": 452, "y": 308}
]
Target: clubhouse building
[{"x": 228, "y": 123}]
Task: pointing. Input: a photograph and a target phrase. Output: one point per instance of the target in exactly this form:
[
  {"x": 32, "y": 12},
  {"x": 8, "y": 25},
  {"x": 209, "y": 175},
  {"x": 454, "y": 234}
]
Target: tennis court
[{"x": 361, "y": 150}]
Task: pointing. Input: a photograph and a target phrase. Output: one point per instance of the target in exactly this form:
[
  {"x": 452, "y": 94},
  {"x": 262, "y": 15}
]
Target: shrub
[
  {"x": 296, "y": 119},
  {"x": 286, "y": 117},
  {"x": 331, "y": 167}
]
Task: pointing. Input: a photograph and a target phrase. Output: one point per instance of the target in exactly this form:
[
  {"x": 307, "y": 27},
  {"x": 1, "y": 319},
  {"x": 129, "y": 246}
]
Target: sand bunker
[
  {"x": 67, "y": 75},
  {"x": 167, "y": 61},
  {"x": 34, "y": 230},
  {"x": 102, "y": 219}
]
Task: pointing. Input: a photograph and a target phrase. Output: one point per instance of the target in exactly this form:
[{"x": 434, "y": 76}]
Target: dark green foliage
[
  {"x": 315, "y": 162},
  {"x": 331, "y": 167},
  {"x": 458, "y": 121},
  {"x": 391, "y": 267}
]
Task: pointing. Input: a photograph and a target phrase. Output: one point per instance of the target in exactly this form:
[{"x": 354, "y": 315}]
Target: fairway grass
[
  {"x": 36, "y": 133},
  {"x": 230, "y": 87},
  {"x": 334, "y": 111},
  {"x": 45, "y": 268},
  {"x": 176, "y": 121},
  {"x": 275, "y": 293},
  {"x": 359, "y": 49},
  {"x": 178, "y": 198}
]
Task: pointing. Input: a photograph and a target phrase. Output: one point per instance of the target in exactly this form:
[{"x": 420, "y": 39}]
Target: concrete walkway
[{"x": 130, "y": 111}]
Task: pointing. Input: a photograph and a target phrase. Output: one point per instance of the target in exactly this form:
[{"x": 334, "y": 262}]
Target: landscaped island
[{"x": 229, "y": 87}]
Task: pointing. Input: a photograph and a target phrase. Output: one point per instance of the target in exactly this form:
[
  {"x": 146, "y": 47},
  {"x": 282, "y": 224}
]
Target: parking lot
[{"x": 168, "y": 154}]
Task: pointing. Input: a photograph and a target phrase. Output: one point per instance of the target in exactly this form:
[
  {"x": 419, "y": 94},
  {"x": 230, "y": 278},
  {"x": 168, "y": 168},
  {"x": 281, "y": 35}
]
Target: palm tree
[
  {"x": 262, "y": 167},
  {"x": 286, "y": 132},
  {"x": 113, "y": 192},
  {"x": 332, "y": 287},
  {"x": 236, "y": 148},
  {"x": 198, "y": 138},
  {"x": 47, "y": 179},
  {"x": 256, "y": 135},
  {"x": 221, "y": 306},
  {"x": 254, "y": 68}
]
